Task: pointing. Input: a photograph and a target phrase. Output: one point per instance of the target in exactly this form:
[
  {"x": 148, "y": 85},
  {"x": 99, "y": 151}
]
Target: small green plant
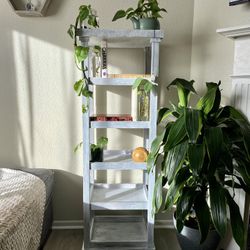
[
  {"x": 145, "y": 9},
  {"x": 143, "y": 84},
  {"x": 81, "y": 87},
  {"x": 205, "y": 156},
  {"x": 97, "y": 149}
]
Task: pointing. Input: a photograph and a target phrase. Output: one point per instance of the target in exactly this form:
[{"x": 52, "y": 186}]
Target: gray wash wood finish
[{"x": 117, "y": 232}]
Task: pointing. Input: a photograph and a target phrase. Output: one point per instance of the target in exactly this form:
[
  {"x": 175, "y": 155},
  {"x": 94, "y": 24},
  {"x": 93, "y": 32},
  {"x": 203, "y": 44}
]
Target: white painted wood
[
  {"x": 119, "y": 197},
  {"x": 121, "y": 38},
  {"x": 118, "y": 159},
  {"x": 121, "y": 230},
  {"x": 115, "y": 81},
  {"x": 235, "y": 32},
  {"x": 121, "y": 124},
  {"x": 240, "y": 99}
]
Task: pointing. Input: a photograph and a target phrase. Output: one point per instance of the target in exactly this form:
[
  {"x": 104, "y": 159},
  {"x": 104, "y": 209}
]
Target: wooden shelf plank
[
  {"x": 124, "y": 230},
  {"x": 121, "y": 124},
  {"x": 118, "y": 159},
  {"x": 120, "y": 38},
  {"x": 123, "y": 81},
  {"x": 119, "y": 197}
]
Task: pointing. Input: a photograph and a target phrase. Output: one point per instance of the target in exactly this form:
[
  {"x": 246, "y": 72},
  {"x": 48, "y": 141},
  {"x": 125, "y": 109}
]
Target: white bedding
[{"x": 22, "y": 201}]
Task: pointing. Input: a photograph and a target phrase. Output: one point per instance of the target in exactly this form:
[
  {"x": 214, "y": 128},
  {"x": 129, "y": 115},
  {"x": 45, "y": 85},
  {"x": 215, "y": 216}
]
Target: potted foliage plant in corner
[
  {"x": 144, "y": 17},
  {"x": 205, "y": 156}
]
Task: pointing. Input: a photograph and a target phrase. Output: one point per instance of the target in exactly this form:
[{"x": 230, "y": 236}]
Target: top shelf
[{"x": 120, "y": 38}]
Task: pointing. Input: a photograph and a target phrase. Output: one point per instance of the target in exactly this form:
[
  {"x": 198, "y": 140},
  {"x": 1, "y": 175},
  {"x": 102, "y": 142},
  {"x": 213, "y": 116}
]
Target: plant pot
[
  {"x": 135, "y": 22},
  {"x": 189, "y": 238},
  {"x": 97, "y": 155},
  {"x": 149, "y": 24}
]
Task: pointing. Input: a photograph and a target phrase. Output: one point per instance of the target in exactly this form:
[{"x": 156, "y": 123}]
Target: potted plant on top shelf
[
  {"x": 144, "y": 17},
  {"x": 205, "y": 156}
]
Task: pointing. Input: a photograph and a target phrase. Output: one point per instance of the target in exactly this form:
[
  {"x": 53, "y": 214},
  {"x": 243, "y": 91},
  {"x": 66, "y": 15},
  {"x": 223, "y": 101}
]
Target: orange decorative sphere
[{"x": 140, "y": 154}]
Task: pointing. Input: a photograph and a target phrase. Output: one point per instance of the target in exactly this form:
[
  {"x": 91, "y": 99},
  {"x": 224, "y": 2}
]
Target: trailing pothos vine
[{"x": 86, "y": 16}]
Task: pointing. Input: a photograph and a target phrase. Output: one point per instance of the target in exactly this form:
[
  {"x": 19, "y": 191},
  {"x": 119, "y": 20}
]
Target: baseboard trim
[{"x": 78, "y": 224}]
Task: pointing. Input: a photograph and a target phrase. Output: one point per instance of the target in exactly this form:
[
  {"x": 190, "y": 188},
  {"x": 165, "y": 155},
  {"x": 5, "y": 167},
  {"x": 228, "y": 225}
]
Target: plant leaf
[
  {"x": 236, "y": 220},
  {"x": 184, "y": 89},
  {"x": 84, "y": 108},
  {"x": 174, "y": 160},
  {"x": 203, "y": 216},
  {"x": 78, "y": 146},
  {"x": 209, "y": 101},
  {"x": 196, "y": 155},
  {"x": 119, "y": 14},
  {"x": 181, "y": 178},
  {"x": 163, "y": 113},
  {"x": 81, "y": 53},
  {"x": 71, "y": 31},
  {"x": 218, "y": 207},
  {"x": 78, "y": 86},
  {"x": 176, "y": 134},
  {"x": 214, "y": 141},
  {"x": 157, "y": 196},
  {"x": 102, "y": 142},
  {"x": 193, "y": 123},
  {"x": 184, "y": 205}
]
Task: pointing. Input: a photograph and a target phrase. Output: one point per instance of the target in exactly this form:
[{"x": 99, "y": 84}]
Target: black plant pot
[
  {"x": 189, "y": 239},
  {"x": 97, "y": 155}
]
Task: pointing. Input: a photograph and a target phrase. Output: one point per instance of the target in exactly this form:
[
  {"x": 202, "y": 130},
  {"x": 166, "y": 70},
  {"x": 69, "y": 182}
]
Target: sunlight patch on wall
[{"x": 49, "y": 112}]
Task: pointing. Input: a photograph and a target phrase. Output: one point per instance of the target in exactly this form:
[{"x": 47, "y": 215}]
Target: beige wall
[
  {"x": 40, "y": 114},
  {"x": 212, "y": 54}
]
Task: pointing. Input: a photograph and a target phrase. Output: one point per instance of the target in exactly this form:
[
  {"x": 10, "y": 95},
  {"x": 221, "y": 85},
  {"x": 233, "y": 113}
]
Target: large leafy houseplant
[{"x": 205, "y": 156}]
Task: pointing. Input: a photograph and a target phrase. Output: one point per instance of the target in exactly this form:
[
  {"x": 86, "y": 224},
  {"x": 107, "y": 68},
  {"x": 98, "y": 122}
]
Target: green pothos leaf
[
  {"x": 78, "y": 86},
  {"x": 81, "y": 53},
  {"x": 84, "y": 108}
]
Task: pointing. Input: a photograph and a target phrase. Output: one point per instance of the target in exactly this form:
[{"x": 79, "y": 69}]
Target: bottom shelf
[{"x": 119, "y": 230}]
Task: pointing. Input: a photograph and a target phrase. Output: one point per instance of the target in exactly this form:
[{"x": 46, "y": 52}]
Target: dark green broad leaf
[
  {"x": 155, "y": 147},
  {"x": 78, "y": 86},
  {"x": 243, "y": 185},
  {"x": 236, "y": 220},
  {"x": 184, "y": 89},
  {"x": 242, "y": 168},
  {"x": 196, "y": 155},
  {"x": 203, "y": 215},
  {"x": 157, "y": 197},
  {"x": 119, "y": 14},
  {"x": 193, "y": 123},
  {"x": 177, "y": 133},
  {"x": 178, "y": 183},
  {"x": 218, "y": 207},
  {"x": 183, "y": 206},
  {"x": 208, "y": 101},
  {"x": 81, "y": 53},
  {"x": 174, "y": 160},
  {"x": 214, "y": 142},
  {"x": 245, "y": 130},
  {"x": 163, "y": 113}
]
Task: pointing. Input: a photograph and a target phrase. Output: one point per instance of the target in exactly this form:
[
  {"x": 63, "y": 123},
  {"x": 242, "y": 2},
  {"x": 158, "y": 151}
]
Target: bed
[{"x": 24, "y": 185}]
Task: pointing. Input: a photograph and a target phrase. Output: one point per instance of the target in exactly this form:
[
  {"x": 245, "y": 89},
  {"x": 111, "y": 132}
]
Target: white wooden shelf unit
[{"x": 119, "y": 232}]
